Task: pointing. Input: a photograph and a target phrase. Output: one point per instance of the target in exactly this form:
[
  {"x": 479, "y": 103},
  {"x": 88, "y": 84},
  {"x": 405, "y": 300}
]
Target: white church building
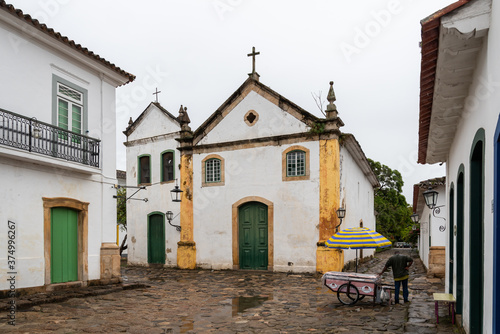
[
  {"x": 261, "y": 181},
  {"x": 57, "y": 158}
]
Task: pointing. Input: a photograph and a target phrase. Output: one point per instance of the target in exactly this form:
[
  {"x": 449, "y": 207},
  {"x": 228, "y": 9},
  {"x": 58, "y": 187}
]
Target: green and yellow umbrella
[{"x": 357, "y": 238}]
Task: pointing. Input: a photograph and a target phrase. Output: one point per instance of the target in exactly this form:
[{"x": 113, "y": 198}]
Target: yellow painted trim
[
  {"x": 329, "y": 201},
  {"x": 186, "y": 249},
  {"x": 329, "y": 259},
  {"x": 222, "y": 171},
  {"x": 256, "y": 114},
  {"x": 270, "y": 230},
  {"x": 283, "y": 164},
  {"x": 329, "y": 187}
]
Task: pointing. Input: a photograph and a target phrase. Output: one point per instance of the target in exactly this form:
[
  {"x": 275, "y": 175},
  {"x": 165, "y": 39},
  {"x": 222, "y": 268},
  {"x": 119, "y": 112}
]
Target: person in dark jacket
[{"x": 400, "y": 265}]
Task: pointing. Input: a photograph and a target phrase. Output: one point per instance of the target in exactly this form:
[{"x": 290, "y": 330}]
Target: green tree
[
  {"x": 121, "y": 212},
  {"x": 393, "y": 212}
]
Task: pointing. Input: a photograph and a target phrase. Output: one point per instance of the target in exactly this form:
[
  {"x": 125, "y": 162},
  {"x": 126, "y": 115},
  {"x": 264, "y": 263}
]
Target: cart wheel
[
  {"x": 361, "y": 297},
  {"x": 347, "y": 294}
]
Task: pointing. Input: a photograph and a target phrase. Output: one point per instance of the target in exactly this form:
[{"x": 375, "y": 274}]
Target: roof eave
[
  {"x": 25, "y": 24},
  {"x": 428, "y": 66}
]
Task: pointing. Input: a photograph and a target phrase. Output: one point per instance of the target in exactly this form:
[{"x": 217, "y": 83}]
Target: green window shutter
[{"x": 70, "y": 106}]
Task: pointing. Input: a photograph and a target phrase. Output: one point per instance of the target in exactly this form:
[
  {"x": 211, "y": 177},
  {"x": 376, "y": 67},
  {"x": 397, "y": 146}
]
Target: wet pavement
[{"x": 158, "y": 300}]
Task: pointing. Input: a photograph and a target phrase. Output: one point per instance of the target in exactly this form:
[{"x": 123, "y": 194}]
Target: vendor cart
[{"x": 351, "y": 287}]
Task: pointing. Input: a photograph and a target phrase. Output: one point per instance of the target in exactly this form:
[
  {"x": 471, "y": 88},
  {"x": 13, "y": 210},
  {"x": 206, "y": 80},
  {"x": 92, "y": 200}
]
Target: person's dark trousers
[{"x": 397, "y": 286}]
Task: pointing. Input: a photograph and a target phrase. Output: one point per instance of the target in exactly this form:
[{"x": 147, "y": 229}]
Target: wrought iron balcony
[{"x": 31, "y": 135}]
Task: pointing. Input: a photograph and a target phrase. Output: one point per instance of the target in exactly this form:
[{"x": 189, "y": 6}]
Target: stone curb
[{"x": 28, "y": 301}]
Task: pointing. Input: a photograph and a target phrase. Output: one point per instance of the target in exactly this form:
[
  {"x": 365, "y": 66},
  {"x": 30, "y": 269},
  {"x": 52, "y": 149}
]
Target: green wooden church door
[
  {"x": 253, "y": 236},
  {"x": 63, "y": 245},
  {"x": 156, "y": 239}
]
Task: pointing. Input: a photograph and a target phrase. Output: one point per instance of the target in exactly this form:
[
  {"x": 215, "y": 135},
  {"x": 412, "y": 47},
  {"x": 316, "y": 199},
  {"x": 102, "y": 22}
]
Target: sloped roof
[
  {"x": 63, "y": 39},
  {"x": 428, "y": 66},
  {"x": 249, "y": 85},
  {"x": 139, "y": 119},
  {"x": 419, "y": 188},
  {"x": 352, "y": 145}
]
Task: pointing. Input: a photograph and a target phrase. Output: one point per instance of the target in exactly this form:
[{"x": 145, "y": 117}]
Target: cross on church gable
[
  {"x": 156, "y": 93},
  {"x": 253, "y": 54}
]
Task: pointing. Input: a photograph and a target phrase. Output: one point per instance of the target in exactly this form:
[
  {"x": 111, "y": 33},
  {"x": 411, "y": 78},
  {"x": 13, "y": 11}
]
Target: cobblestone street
[{"x": 203, "y": 301}]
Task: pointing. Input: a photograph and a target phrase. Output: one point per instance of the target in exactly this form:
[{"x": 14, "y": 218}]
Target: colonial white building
[
  {"x": 459, "y": 125},
  {"x": 57, "y": 158},
  {"x": 433, "y": 226},
  {"x": 261, "y": 178}
]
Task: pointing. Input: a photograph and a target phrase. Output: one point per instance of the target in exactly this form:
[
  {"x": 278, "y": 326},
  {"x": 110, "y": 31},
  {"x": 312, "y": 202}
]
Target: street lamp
[
  {"x": 176, "y": 193},
  {"x": 170, "y": 215},
  {"x": 414, "y": 219},
  {"x": 340, "y": 215},
  {"x": 430, "y": 197}
]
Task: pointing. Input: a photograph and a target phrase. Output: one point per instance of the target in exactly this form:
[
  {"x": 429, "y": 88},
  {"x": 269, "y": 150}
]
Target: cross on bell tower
[{"x": 254, "y": 75}]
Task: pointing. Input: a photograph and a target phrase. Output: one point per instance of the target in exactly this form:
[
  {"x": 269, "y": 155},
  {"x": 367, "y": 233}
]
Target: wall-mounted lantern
[
  {"x": 414, "y": 219},
  {"x": 170, "y": 216},
  {"x": 340, "y": 215}
]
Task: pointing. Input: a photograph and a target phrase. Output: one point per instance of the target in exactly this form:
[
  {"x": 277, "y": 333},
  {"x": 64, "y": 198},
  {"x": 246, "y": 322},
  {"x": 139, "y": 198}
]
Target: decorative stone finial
[
  {"x": 331, "y": 108},
  {"x": 130, "y": 121},
  {"x": 183, "y": 119}
]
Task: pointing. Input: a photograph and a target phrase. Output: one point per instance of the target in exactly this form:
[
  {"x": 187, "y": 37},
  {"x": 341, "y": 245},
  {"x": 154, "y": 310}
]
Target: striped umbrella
[{"x": 357, "y": 238}]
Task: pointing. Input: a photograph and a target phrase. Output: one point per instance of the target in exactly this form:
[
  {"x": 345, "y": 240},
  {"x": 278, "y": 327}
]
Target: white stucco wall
[
  {"x": 158, "y": 193},
  {"x": 357, "y": 197},
  {"x": 258, "y": 172},
  {"x": 482, "y": 112},
  {"x": 272, "y": 121},
  {"x": 24, "y": 185},
  {"x": 27, "y": 68},
  {"x": 154, "y": 123}
]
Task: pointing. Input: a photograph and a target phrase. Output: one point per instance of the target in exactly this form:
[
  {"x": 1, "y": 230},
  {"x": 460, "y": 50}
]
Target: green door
[
  {"x": 156, "y": 238},
  {"x": 253, "y": 236},
  {"x": 63, "y": 245},
  {"x": 476, "y": 240}
]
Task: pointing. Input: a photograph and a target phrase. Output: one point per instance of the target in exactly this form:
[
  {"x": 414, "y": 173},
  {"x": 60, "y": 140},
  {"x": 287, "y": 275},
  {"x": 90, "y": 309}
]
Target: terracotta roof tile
[
  {"x": 63, "y": 39},
  {"x": 430, "y": 48}
]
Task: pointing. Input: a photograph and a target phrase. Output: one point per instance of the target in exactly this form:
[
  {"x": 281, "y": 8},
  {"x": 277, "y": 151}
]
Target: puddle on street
[
  {"x": 241, "y": 304},
  {"x": 230, "y": 308}
]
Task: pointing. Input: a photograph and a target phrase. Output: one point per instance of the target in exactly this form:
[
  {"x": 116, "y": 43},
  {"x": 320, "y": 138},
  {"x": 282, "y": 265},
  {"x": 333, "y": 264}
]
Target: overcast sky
[{"x": 195, "y": 53}]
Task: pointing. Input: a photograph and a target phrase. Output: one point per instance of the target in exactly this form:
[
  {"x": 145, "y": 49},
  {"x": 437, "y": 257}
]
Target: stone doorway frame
[
  {"x": 82, "y": 208},
  {"x": 270, "y": 230}
]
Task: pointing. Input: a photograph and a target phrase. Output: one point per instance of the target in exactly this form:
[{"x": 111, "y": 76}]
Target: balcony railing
[{"x": 31, "y": 135}]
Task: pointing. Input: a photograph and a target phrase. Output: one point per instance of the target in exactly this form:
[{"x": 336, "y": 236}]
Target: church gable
[
  {"x": 253, "y": 111},
  {"x": 154, "y": 121}
]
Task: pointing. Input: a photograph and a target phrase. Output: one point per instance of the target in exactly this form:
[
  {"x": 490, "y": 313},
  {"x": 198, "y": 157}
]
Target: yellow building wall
[
  {"x": 329, "y": 201},
  {"x": 186, "y": 247}
]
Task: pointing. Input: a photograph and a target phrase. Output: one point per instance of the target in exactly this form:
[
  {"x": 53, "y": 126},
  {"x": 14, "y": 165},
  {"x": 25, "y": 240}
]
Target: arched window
[
  {"x": 144, "y": 170},
  {"x": 295, "y": 162},
  {"x": 167, "y": 166},
  {"x": 213, "y": 170}
]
